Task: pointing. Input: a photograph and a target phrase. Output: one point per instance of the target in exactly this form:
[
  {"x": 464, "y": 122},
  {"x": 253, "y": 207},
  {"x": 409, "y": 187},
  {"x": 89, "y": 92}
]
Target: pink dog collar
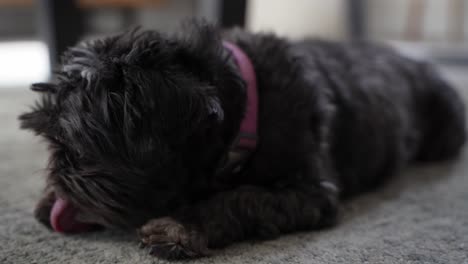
[
  {"x": 247, "y": 138},
  {"x": 246, "y": 141}
]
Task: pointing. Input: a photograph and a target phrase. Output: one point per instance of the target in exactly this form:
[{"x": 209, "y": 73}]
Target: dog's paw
[{"x": 168, "y": 239}]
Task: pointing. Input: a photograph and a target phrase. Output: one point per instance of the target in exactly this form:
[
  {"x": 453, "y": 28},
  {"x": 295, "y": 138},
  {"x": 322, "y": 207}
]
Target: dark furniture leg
[
  {"x": 61, "y": 25},
  {"x": 233, "y": 13},
  {"x": 356, "y": 19}
]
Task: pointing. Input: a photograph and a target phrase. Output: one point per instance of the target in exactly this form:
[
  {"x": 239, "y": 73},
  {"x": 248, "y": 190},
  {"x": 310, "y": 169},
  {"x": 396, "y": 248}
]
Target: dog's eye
[
  {"x": 79, "y": 153},
  {"x": 214, "y": 108}
]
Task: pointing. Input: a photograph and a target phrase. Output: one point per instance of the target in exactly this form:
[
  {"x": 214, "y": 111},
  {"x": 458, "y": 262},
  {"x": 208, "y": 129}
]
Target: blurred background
[{"x": 34, "y": 32}]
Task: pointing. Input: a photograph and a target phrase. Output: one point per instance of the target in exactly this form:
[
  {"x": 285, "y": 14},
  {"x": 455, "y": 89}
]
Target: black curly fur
[{"x": 138, "y": 124}]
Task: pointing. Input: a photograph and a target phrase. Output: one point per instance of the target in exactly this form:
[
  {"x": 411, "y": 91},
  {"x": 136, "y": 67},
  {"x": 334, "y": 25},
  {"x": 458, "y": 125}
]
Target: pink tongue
[{"x": 63, "y": 218}]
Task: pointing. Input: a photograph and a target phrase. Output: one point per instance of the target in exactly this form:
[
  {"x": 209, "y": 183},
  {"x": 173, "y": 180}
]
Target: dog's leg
[{"x": 246, "y": 212}]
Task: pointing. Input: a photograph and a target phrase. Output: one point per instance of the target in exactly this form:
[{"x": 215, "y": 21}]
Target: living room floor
[{"x": 420, "y": 216}]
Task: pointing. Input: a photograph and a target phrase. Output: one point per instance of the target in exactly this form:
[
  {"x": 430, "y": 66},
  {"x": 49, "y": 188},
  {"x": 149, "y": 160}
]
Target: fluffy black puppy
[{"x": 140, "y": 124}]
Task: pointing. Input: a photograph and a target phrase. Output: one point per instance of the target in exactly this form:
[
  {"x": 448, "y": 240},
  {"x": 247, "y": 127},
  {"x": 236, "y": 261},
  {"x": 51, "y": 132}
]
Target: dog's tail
[{"x": 444, "y": 119}]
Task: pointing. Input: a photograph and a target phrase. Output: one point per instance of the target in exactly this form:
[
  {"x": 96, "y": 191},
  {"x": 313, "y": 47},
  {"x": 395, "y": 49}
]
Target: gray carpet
[{"x": 419, "y": 217}]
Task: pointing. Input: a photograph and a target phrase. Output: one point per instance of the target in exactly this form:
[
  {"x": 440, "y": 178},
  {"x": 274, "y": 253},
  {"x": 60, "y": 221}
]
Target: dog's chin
[{"x": 67, "y": 218}]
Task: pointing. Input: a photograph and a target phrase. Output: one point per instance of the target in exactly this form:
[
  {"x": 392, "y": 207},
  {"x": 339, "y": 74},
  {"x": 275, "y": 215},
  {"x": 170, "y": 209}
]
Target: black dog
[{"x": 179, "y": 136}]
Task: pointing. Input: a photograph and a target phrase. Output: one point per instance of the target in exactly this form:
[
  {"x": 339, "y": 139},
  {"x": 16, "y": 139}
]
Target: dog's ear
[
  {"x": 200, "y": 36},
  {"x": 201, "y": 49},
  {"x": 39, "y": 119}
]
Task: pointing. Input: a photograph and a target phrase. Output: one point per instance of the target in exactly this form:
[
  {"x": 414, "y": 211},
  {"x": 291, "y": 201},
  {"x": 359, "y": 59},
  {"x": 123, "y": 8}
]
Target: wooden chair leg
[
  {"x": 415, "y": 20},
  {"x": 456, "y": 20}
]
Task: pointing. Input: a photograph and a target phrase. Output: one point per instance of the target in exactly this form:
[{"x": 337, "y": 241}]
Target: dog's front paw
[{"x": 169, "y": 239}]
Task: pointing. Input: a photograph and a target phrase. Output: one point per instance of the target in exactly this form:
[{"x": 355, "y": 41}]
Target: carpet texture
[{"x": 421, "y": 216}]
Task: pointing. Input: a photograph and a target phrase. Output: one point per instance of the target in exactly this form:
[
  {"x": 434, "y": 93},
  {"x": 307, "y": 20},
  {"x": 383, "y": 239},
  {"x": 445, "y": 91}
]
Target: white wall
[
  {"x": 298, "y": 18},
  {"x": 387, "y": 19},
  {"x": 23, "y": 63}
]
